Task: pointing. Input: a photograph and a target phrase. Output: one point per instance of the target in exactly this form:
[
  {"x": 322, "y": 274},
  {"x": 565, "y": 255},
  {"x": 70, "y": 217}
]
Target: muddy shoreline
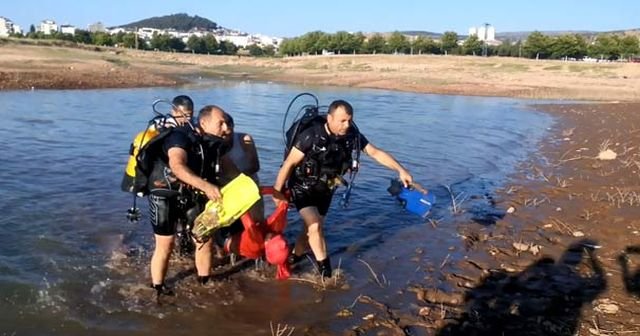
[{"x": 565, "y": 257}]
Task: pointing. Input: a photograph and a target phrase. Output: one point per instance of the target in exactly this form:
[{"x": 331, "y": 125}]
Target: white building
[
  {"x": 17, "y": 29},
  {"x": 240, "y": 41},
  {"x": 115, "y": 31},
  {"x": 147, "y": 33},
  {"x": 96, "y": 27},
  {"x": 68, "y": 29},
  {"x": 484, "y": 33},
  {"x": 48, "y": 27},
  {"x": 263, "y": 40},
  {"x": 6, "y": 27}
]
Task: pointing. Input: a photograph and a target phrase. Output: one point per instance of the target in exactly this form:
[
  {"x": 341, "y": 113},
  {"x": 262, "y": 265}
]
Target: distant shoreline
[{"x": 26, "y": 67}]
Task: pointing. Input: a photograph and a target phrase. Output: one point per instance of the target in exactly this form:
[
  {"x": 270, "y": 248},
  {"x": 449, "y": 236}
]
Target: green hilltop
[{"x": 179, "y": 22}]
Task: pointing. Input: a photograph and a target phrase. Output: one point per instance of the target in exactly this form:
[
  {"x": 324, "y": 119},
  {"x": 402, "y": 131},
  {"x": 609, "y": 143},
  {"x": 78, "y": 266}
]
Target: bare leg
[
  {"x": 160, "y": 258},
  {"x": 313, "y": 227},
  {"x": 302, "y": 242},
  {"x": 203, "y": 258}
]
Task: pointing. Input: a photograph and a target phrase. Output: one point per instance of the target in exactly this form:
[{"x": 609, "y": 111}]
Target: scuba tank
[
  {"x": 309, "y": 115},
  {"x": 134, "y": 180},
  {"x": 141, "y": 139},
  {"x": 415, "y": 200}
]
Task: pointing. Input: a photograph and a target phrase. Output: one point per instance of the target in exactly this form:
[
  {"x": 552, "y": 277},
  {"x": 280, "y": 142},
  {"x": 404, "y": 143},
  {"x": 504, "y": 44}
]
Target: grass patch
[
  {"x": 170, "y": 63},
  {"x": 553, "y": 68},
  {"x": 116, "y": 61},
  {"x": 483, "y": 64},
  {"x": 314, "y": 66},
  {"x": 577, "y": 68},
  {"x": 511, "y": 67},
  {"x": 352, "y": 66}
]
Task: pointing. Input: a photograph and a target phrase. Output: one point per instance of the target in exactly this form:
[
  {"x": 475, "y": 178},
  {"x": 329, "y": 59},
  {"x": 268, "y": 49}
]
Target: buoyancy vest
[{"x": 329, "y": 157}]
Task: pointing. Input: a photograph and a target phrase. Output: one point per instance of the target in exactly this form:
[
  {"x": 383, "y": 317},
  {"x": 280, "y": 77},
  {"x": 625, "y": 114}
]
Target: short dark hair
[
  {"x": 341, "y": 103},
  {"x": 184, "y": 101},
  {"x": 205, "y": 112},
  {"x": 229, "y": 120}
]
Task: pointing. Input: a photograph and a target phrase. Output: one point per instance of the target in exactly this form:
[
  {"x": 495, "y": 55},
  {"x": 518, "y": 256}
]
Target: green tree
[
  {"x": 449, "y": 42},
  {"x": 516, "y": 49},
  {"x": 310, "y": 42},
  {"x": 398, "y": 43},
  {"x": 570, "y": 45},
  {"x": 269, "y": 50},
  {"x": 255, "y": 50},
  {"x": 376, "y": 44},
  {"x": 176, "y": 44},
  {"x": 102, "y": 39},
  {"x": 83, "y": 36},
  {"x": 344, "y": 43},
  {"x": 118, "y": 38},
  {"x": 211, "y": 44},
  {"x": 357, "y": 41},
  {"x": 504, "y": 49},
  {"x": 32, "y": 29},
  {"x": 326, "y": 42},
  {"x": 160, "y": 42},
  {"x": 227, "y": 48},
  {"x": 605, "y": 47},
  {"x": 472, "y": 46},
  {"x": 537, "y": 45},
  {"x": 425, "y": 45},
  {"x": 129, "y": 41},
  {"x": 289, "y": 47},
  {"x": 197, "y": 45},
  {"x": 629, "y": 46}
]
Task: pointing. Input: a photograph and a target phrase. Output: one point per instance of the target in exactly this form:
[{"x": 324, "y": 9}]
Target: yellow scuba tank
[{"x": 141, "y": 139}]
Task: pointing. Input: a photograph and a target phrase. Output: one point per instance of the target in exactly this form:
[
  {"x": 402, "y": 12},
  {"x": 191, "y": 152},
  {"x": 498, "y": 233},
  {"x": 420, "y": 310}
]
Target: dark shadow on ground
[
  {"x": 544, "y": 299},
  {"x": 631, "y": 280}
]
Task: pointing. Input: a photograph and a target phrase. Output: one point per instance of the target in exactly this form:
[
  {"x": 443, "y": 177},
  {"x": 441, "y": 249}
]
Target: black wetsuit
[
  {"x": 326, "y": 157},
  {"x": 169, "y": 201}
]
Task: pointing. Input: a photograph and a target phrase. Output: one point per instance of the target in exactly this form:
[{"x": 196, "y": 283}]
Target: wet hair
[
  {"x": 341, "y": 103},
  {"x": 229, "y": 120},
  {"x": 184, "y": 101},
  {"x": 206, "y": 111}
]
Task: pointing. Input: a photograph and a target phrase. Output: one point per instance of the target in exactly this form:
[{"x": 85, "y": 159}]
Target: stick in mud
[{"x": 375, "y": 276}]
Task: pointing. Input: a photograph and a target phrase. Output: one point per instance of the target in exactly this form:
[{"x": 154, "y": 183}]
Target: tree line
[
  {"x": 536, "y": 45},
  {"x": 207, "y": 44}
]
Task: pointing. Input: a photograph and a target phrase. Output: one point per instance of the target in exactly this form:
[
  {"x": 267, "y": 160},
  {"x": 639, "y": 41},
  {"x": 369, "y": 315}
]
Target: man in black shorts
[
  {"x": 319, "y": 157},
  {"x": 185, "y": 174}
]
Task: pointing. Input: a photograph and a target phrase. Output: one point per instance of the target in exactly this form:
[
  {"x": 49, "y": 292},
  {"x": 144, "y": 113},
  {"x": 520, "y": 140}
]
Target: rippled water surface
[{"x": 70, "y": 263}]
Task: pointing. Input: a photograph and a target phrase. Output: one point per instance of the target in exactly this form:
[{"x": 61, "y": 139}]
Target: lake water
[{"x": 70, "y": 263}]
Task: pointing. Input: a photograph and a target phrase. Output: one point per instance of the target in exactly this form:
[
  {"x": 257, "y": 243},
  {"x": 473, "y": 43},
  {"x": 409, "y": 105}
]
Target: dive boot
[{"x": 324, "y": 267}]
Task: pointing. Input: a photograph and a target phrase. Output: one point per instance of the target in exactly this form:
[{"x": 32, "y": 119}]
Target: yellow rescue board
[{"x": 238, "y": 196}]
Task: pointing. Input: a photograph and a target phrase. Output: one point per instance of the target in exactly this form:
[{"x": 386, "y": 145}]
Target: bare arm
[
  {"x": 249, "y": 147},
  {"x": 293, "y": 159},
  {"x": 178, "y": 165},
  {"x": 390, "y": 162}
]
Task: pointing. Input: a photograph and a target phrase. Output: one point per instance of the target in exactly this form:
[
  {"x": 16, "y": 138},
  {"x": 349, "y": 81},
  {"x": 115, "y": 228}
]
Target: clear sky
[{"x": 287, "y": 18}]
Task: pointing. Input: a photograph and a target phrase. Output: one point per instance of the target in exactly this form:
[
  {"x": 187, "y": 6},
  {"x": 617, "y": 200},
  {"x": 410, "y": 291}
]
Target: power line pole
[{"x": 484, "y": 44}]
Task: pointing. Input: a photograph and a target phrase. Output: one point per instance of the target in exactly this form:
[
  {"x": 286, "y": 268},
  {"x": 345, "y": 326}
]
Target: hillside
[
  {"x": 422, "y": 33},
  {"x": 179, "y": 22}
]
